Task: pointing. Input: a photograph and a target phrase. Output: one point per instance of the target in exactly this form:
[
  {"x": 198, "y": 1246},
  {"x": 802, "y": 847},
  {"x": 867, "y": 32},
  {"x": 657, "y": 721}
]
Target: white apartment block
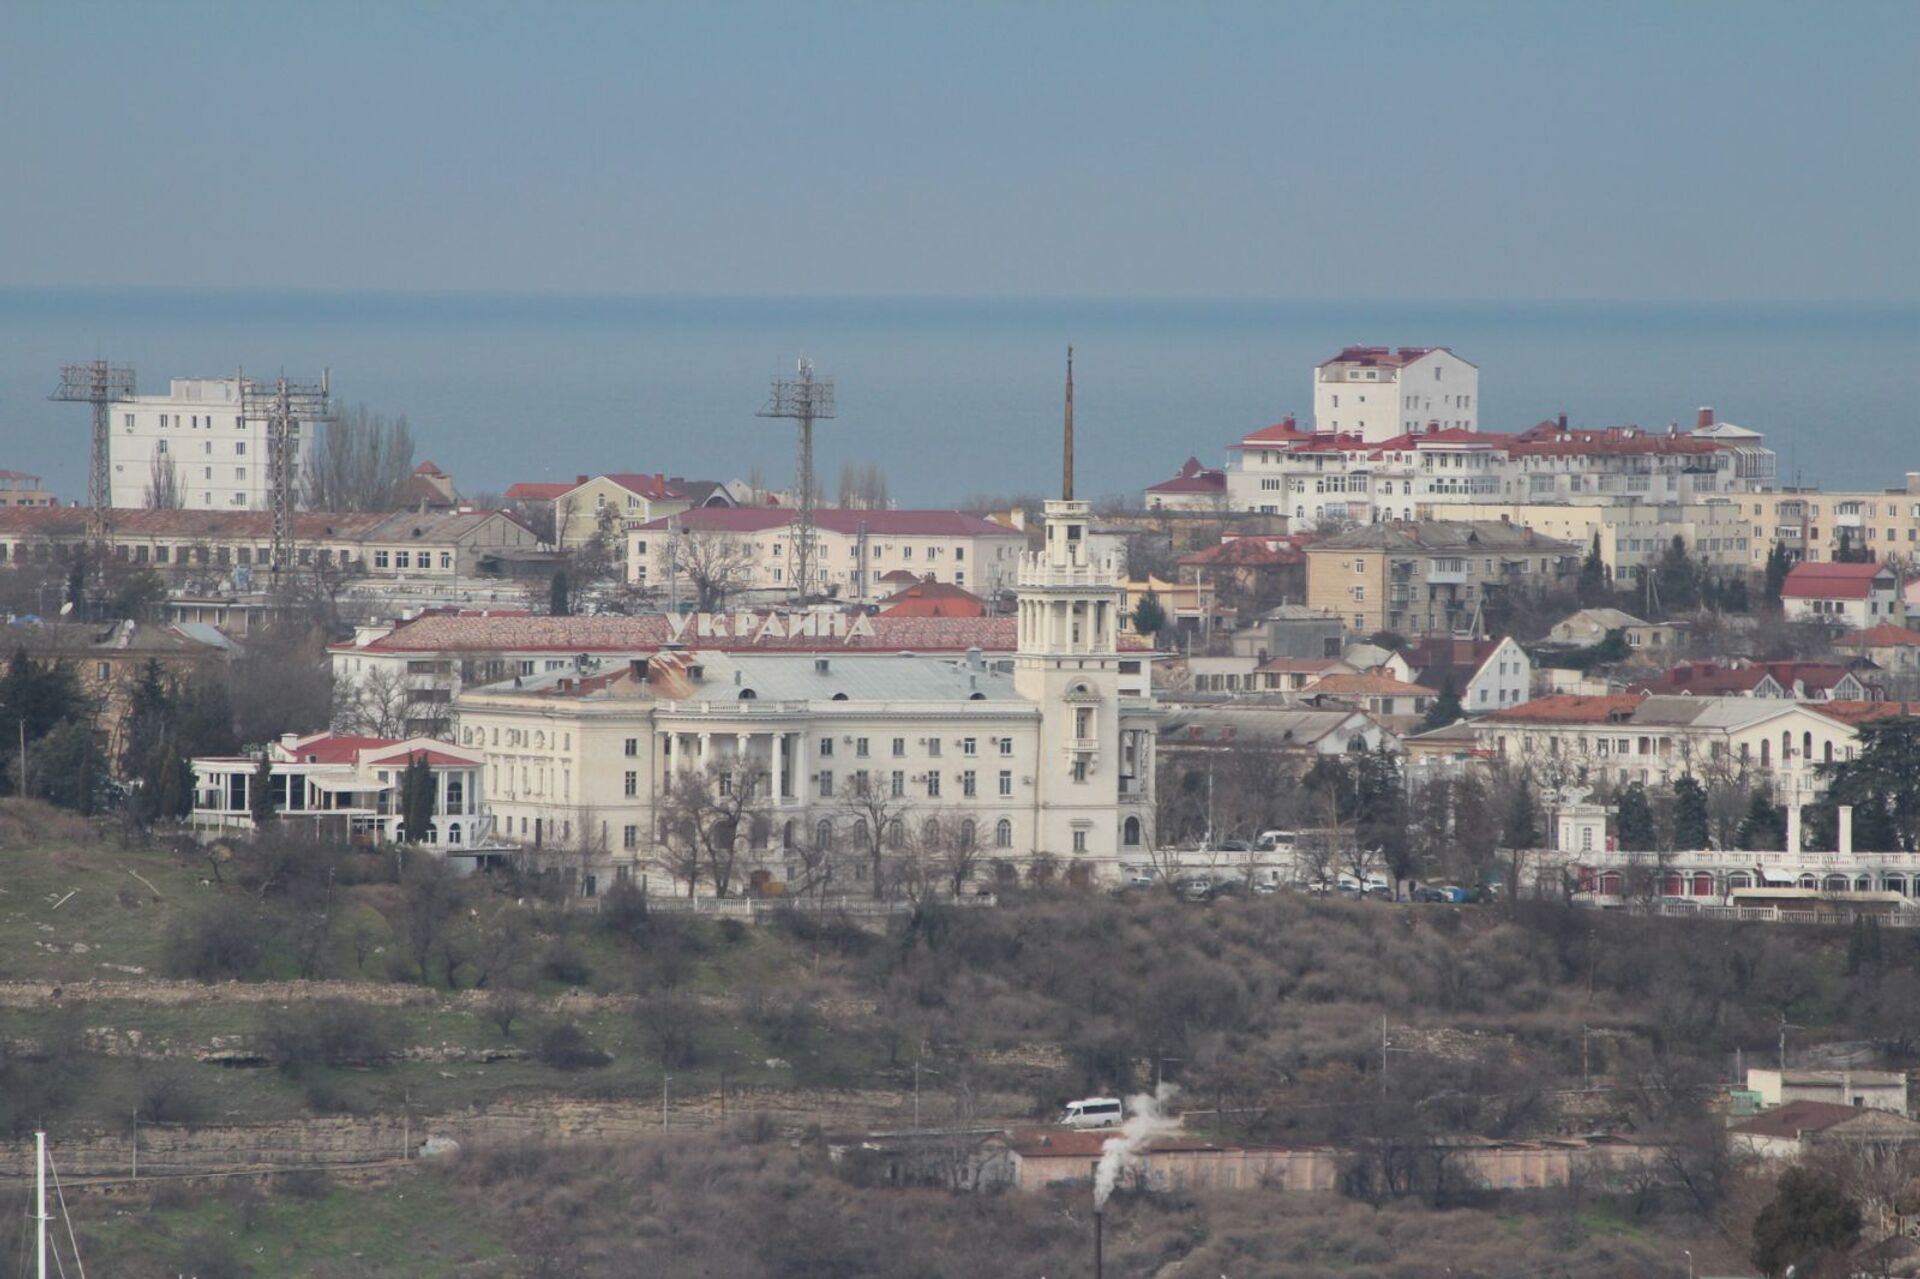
[
  {"x": 1633, "y": 535},
  {"x": 218, "y": 456},
  {"x": 1052, "y": 756},
  {"x": 853, "y": 550},
  {"x": 1376, "y": 392}
]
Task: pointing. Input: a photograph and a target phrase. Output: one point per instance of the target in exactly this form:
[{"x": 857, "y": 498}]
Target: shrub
[
  {"x": 566, "y": 1047},
  {"x": 566, "y": 962},
  {"x": 212, "y": 1256},
  {"x": 331, "y": 1032},
  {"x": 167, "y": 1096},
  {"x": 223, "y": 941}
]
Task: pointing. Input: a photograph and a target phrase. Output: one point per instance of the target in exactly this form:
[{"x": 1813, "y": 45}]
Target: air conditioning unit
[
  {"x": 1026, "y": 781},
  {"x": 847, "y": 740}
]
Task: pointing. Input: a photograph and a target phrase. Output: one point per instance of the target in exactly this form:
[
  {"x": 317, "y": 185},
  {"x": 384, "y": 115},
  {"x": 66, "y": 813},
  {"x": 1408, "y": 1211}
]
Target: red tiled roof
[
  {"x": 941, "y": 607},
  {"x": 426, "y": 468},
  {"x": 1083, "y": 1144},
  {"x": 1831, "y": 580},
  {"x": 1367, "y": 684},
  {"x": 1450, "y": 435},
  {"x": 1705, "y": 679},
  {"x": 1285, "y": 431},
  {"x": 652, "y": 487},
  {"x": 1797, "y": 1117},
  {"x": 1244, "y": 552},
  {"x": 537, "y": 491},
  {"x": 1548, "y": 440},
  {"x": 1885, "y": 635},
  {"x": 1297, "y": 665},
  {"x": 1193, "y": 478},
  {"x": 748, "y": 519},
  {"x": 1863, "y": 712},
  {"x": 1381, "y": 356},
  {"x": 1569, "y": 708},
  {"x": 924, "y": 590}
]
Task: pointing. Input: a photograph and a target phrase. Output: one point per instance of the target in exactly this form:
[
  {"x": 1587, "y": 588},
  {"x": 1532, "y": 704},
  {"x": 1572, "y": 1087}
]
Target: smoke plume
[{"x": 1146, "y": 1119}]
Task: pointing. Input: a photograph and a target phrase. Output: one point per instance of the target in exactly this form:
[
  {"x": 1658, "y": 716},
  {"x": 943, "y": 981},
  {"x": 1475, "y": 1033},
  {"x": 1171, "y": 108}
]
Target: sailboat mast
[{"x": 40, "y": 1198}]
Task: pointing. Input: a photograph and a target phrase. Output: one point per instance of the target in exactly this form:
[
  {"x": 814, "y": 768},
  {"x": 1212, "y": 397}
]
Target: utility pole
[
  {"x": 285, "y": 407},
  {"x": 664, "y": 1081},
  {"x": 100, "y": 384}
]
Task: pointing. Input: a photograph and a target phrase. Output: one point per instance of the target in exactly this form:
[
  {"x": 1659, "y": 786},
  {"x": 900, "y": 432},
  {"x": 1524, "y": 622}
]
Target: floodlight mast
[
  {"x": 99, "y": 383},
  {"x": 805, "y": 399},
  {"x": 284, "y": 407}
]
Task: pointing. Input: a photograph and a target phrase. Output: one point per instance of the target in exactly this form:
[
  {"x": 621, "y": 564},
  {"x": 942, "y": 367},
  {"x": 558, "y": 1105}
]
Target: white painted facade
[
  {"x": 1376, "y": 393},
  {"x": 219, "y": 457}
]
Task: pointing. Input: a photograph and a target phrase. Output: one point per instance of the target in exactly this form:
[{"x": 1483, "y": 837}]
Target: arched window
[
  {"x": 1003, "y": 833},
  {"x": 967, "y": 834},
  {"x": 823, "y": 835},
  {"x": 786, "y": 836},
  {"x": 896, "y": 834},
  {"x": 747, "y": 694},
  {"x": 839, "y": 697},
  {"x": 859, "y": 832},
  {"x": 930, "y": 833},
  {"x": 1130, "y": 832},
  {"x": 1786, "y": 746},
  {"x": 1766, "y": 752},
  {"x": 1806, "y": 745},
  {"x": 1357, "y": 746},
  {"x": 1826, "y": 752}
]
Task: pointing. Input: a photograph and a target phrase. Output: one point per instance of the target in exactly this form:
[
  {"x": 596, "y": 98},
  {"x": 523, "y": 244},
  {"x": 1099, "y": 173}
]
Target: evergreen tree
[
  {"x": 1810, "y": 1215},
  {"x": 1676, "y": 579},
  {"x": 416, "y": 800},
  {"x": 1779, "y": 563},
  {"x": 69, "y": 768},
  {"x": 1733, "y": 594},
  {"x": 35, "y": 698},
  {"x": 1882, "y": 782},
  {"x": 1522, "y": 826},
  {"x": 1593, "y": 576},
  {"x": 559, "y": 599},
  {"x": 1149, "y": 615},
  {"x": 149, "y": 719},
  {"x": 1847, "y": 553},
  {"x": 1446, "y": 707},
  {"x": 1690, "y": 824},
  {"x": 260, "y": 805},
  {"x": 1764, "y": 828},
  {"x": 1382, "y": 819},
  {"x": 1633, "y": 824}
]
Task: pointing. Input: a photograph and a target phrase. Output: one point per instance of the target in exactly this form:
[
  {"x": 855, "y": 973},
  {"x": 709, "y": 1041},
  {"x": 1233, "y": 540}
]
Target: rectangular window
[
  {"x": 899, "y": 747},
  {"x": 933, "y": 785},
  {"x": 632, "y": 784},
  {"x": 1006, "y": 746},
  {"x": 630, "y": 837},
  {"x": 379, "y": 559},
  {"x": 860, "y": 747},
  {"x": 826, "y": 748},
  {"x": 402, "y": 559},
  {"x": 969, "y": 746},
  {"x": 240, "y": 448},
  {"x": 969, "y": 784},
  {"x": 1006, "y": 783},
  {"x": 632, "y": 747},
  {"x": 826, "y": 784},
  {"x": 1079, "y": 841},
  {"x": 933, "y": 747},
  {"x": 898, "y": 787}
]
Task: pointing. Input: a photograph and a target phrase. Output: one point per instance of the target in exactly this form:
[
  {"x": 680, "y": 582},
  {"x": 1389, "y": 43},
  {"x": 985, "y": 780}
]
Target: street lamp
[{"x": 1689, "y": 1256}]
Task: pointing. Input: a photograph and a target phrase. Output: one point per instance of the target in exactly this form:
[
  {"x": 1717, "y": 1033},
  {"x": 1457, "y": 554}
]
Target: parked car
[
  {"x": 1230, "y": 888},
  {"x": 1265, "y": 888},
  {"x": 1196, "y": 888}
]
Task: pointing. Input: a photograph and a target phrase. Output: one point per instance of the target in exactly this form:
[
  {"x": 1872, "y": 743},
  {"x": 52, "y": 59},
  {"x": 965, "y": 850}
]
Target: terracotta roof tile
[{"x": 1570, "y": 708}]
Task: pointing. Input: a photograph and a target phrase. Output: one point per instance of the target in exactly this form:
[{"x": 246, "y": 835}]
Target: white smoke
[{"x": 1146, "y": 1119}]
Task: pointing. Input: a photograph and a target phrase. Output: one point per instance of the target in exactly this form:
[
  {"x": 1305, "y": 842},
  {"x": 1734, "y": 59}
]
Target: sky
[{"x": 1459, "y": 150}]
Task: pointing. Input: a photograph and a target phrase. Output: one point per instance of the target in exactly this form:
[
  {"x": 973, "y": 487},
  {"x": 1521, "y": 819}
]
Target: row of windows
[{"x": 896, "y": 783}]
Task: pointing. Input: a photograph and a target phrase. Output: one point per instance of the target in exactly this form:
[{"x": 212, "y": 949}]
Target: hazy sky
[{"x": 1738, "y": 149}]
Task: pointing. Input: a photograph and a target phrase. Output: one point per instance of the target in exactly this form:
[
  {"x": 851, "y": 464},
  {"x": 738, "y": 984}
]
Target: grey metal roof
[{"x": 861, "y": 679}]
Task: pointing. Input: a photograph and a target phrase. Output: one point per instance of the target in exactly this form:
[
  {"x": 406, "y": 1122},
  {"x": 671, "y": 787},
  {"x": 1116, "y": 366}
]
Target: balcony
[{"x": 1440, "y": 573}]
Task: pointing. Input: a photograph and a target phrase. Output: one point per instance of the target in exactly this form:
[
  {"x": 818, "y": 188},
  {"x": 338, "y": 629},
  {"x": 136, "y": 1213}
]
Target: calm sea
[{"x": 955, "y": 397}]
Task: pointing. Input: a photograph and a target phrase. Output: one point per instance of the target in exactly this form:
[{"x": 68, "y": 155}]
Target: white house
[
  {"x": 1851, "y": 595},
  {"x": 216, "y": 454},
  {"x": 347, "y": 787},
  {"x": 1376, "y": 392}
]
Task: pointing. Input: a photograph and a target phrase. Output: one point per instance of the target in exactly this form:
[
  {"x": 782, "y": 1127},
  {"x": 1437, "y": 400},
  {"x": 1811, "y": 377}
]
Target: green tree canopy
[
  {"x": 1690, "y": 815},
  {"x": 1149, "y": 615},
  {"x": 1633, "y": 822},
  {"x": 1810, "y": 1215},
  {"x": 1882, "y": 783},
  {"x": 1521, "y": 829},
  {"x": 1446, "y": 707}
]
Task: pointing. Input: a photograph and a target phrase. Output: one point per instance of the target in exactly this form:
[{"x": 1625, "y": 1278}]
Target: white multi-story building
[
  {"x": 1374, "y": 393},
  {"x": 853, "y": 550},
  {"x": 1054, "y": 756},
  {"x": 217, "y": 455},
  {"x": 1843, "y": 594}
]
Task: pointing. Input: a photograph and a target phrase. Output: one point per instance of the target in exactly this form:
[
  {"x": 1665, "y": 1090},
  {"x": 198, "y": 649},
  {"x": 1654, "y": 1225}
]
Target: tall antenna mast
[
  {"x": 284, "y": 406},
  {"x": 804, "y": 399},
  {"x": 1066, "y": 483},
  {"x": 98, "y": 383}
]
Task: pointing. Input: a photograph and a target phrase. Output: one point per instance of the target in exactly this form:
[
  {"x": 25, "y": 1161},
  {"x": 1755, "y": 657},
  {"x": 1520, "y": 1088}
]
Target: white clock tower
[{"x": 1068, "y": 663}]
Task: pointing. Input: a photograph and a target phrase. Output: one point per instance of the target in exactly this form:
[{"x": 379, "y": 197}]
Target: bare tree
[
  {"x": 706, "y": 818},
  {"x": 362, "y": 461},
  {"x": 376, "y": 705},
  {"x": 875, "y": 821},
  {"x": 715, "y": 566},
  {"x": 863, "y": 488},
  {"x": 163, "y": 484}
]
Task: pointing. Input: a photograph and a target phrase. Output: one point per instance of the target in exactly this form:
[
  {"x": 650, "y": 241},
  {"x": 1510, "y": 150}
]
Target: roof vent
[{"x": 821, "y": 665}]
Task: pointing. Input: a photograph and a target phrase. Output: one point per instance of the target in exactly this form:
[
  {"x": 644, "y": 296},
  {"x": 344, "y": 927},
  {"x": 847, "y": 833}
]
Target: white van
[{"x": 1091, "y": 1112}]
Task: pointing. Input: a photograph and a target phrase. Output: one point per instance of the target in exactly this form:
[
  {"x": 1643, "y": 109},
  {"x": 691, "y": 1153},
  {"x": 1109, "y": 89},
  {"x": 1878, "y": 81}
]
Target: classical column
[{"x": 779, "y": 767}]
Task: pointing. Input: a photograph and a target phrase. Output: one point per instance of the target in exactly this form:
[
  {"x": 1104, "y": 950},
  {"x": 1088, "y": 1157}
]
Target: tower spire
[{"x": 1066, "y": 485}]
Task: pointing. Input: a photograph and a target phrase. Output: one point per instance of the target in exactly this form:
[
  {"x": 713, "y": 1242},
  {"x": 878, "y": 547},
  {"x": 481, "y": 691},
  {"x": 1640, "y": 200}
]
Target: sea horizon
[{"x": 505, "y": 385}]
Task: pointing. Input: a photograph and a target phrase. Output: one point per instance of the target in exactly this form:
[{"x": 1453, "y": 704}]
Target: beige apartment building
[
  {"x": 1634, "y": 535},
  {"x": 859, "y": 556},
  {"x": 1432, "y": 577},
  {"x": 1810, "y": 524}
]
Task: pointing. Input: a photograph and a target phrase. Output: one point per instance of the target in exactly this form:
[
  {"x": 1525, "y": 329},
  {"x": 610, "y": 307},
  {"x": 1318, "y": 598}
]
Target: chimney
[
  {"x": 1705, "y": 418},
  {"x": 1844, "y": 844},
  {"x": 660, "y": 481},
  {"x": 1793, "y": 828},
  {"x": 579, "y": 479},
  {"x": 1563, "y": 421}
]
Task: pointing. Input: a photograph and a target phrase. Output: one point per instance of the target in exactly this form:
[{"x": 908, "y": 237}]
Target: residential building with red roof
[
  {"x": 853, "y": 550},
  {"x": 1194, "y": 487},
  {"x": 1487, "y": 674},
  {"x": 1852, "y": 595},
  {"x": 1378, "y": 392},
  {"x": 349, "y": 787},
  {"x": 1893, "y": 648},
  {"x": 933, "y": 599}
]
